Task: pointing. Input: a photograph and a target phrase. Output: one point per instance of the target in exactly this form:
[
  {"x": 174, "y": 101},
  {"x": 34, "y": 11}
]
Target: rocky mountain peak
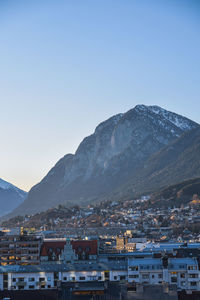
[
  {"x": 108, "y": 158},
  {"x": 10, "y": 196},
  {"x": 111, "y": 122}
]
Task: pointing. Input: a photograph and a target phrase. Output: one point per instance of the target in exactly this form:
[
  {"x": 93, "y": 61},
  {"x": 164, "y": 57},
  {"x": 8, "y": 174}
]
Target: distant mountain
[
  {"x": 109, "y": 159},
  {"x": 10, "y": 197}
]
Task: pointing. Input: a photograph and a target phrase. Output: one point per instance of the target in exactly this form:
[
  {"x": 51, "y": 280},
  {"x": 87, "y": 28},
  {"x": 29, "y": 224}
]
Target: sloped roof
[
  {"x": 90, "y": 247},
  {"x": 48, "y": 248}
]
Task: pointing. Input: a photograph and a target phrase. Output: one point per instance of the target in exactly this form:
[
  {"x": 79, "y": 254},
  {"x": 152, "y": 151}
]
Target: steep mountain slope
[
  {"x": 107, "y": 158},
  {"x": 10, "y": 197},
  {"x": 181, "y": 193},
  {"x": 178, "y": 161}
]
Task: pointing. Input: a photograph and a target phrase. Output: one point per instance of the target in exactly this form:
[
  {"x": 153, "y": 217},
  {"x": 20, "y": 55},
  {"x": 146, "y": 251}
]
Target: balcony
[
  {"x": 193, "y": 279},
  {"x": 21, "y": 283},
  {"x": 39, "y": 283}
]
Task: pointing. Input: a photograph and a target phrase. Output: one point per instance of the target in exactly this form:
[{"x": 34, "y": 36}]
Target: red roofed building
[
  {"x": 51, "y": 250},
  {"x": 83, "y": 249}
]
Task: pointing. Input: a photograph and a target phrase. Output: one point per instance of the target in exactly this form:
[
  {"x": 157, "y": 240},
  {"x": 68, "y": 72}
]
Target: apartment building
[
  {"x": 182, "y": 273},
  {"x": 19, "y": 250}
]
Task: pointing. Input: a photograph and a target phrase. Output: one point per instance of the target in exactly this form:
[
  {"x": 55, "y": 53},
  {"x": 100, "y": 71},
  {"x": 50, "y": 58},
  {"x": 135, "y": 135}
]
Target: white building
[{"x": 182, "y": 273}]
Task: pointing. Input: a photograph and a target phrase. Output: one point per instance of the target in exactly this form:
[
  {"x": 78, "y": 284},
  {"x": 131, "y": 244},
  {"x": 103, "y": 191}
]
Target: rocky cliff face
[
  {"x": 178, "y": 161},
  {"x": 10, "y": 197},
  {"x": 108, "y": 158}
]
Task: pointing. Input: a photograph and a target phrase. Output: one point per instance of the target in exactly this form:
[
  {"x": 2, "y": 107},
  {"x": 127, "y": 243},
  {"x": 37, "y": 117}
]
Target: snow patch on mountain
[
  {"x": 10, "y": 197},
  {"x": 8, "y": 186},
  {"x": 179, "y": 121}
]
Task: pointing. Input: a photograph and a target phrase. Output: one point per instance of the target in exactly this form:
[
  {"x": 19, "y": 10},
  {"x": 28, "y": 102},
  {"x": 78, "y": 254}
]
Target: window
[
  {"x": 133, "y": 276},
  {"x": 48, "y": 278},
  {"x": 72, "y": 278},
  {"x": 192, "y": 267},
  {"x": 65, "y": 278},
  {"x": 31, "y": 287},
  {"x": 182, "y": 275},
  {"x": 82, "y": 277},
  {"x": 134, "y": 268},
  {"x": 49, "y": 286},
  {"x": 21, "y": 279},
  {"x": 41, "y": 279},
  {"x": 173, "y": 279},
  {"x": 99, "y": 277},
  {"x": 181, "y": 266},
  {"x": 183, "y": 283},
  {"x": 92, "y": 278},
  {"x": 160, "y": 275},
  {"x": 21, "y": 287},
  {"x": 31, "y": 279},
  {"x": 193, "y": 275},
  {"x": 145, "y": 276},
  {"x": 122, "y": 277},
  {"x": 194, "y": 283},
  {"x": 43, "y": 286},
  {"x": 152, "y": 276},
  {"x": 14, "y": 279},
  {"x": 115, "y": 277}
]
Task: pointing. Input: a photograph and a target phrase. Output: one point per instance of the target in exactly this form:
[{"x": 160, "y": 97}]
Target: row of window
[
  {"x": 31, "y": 287},
  {"x": 182, "y": 275},
  {"x": 171, "y": 266},
  {"x": 31, "y": 279},
  {"x": 145, "y": 276},
  {"x": 145, "y": 267},
  {"x": 158, "y": 267},
  {"x": 82, "y": 278}
]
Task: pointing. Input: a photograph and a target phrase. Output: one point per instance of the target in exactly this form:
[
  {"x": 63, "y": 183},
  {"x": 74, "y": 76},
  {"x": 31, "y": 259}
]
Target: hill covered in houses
[{"x": 175, "y": 209}]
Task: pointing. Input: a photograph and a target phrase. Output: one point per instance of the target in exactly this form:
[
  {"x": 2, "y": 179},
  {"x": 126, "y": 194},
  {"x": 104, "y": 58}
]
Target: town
[
  {"x": 106, "y": 269},
  {"x": 112, "y": 218},
  {"x": 107, "y": 251}
]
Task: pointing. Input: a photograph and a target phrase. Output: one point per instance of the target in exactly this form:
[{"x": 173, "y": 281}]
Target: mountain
[
  {"x": 178, "y": 161},
  {"x": 10, "y": 197},
  {"x": 177, "y": 194},
  {"x": 109, "y": 158}
]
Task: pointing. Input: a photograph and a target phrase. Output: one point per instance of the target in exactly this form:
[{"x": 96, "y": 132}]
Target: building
[
  {"x": 180, "y": 273},
  {"x": 52, "y": 250},
  {"x": 19, "y": 249},
  {"x": 121, "y": 242}
]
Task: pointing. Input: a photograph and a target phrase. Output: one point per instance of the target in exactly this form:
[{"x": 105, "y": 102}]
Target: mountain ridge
[
  {"x": 106, "y": 159},
  {"x": 10, "y": 197},
  {"x": 176, "y": 162}
]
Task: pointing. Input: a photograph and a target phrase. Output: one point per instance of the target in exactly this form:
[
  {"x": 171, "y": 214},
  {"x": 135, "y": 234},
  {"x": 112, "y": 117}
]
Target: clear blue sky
[{"x": 66, "y": 65}]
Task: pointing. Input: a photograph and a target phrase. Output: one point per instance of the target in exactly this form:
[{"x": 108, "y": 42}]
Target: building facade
[{"x": 19, "y": 249}]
